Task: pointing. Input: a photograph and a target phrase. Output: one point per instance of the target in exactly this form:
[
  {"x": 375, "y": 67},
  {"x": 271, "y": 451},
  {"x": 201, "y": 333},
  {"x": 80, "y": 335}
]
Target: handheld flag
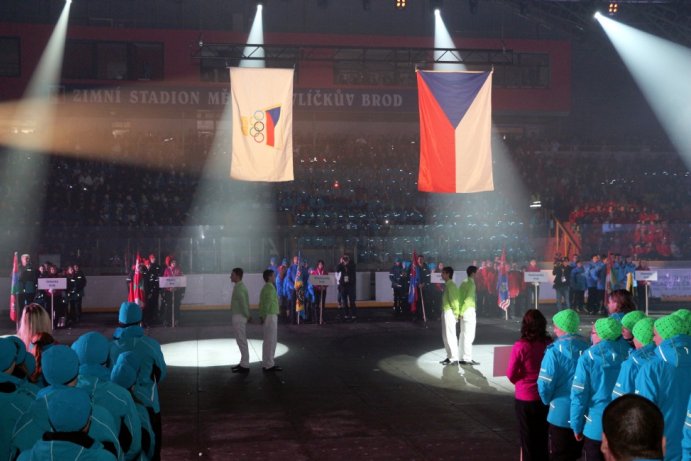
[
  {"x": 136, "y": 293},
  {"x": 262, "y": 103},
  {"x": 15, "y": 289},
  {"x": 412, "y": 290},
  {"x": 455, "y": 131},
  {"x": 503, "y": 299}
]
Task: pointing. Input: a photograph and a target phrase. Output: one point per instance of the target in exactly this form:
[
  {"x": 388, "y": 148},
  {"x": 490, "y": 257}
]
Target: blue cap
[
  {"x": 284, "y": 262},
  {"x": 123, "y": 375},
  {"x": 130, "y": 358},
  {"x": 92, "y": 348},
  {"x": 273, "y": 260},
  {"x": 130, "y": 313},
  {"x": 69, "y": 409},
  {"x": 21, "y": 349},
  {"x": 8, "y": 353},
  {"x": 59, "y": 364}
]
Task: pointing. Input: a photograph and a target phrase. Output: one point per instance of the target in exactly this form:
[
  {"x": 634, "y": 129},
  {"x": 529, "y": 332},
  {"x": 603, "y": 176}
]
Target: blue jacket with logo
[
  {"x": 591, "y": 391},
  {"x": 626, "y": 382},
  {"x": 556, "y": 376},
  {"x": 666, "y": 381},
  {"x": 686, "y": 442}
]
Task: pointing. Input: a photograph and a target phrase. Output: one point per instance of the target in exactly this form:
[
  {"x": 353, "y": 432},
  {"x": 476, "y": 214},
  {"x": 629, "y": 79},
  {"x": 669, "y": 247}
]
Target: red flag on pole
[
  {"x": 15, "y": 289},
  {"x": 136, "y": 294}
]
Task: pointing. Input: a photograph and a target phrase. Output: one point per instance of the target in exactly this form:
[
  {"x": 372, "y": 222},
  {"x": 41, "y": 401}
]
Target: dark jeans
[
  {"x": 578, "y": 301},
  {"x": 593, "y": 299},
  {"x": 157, "y": 427},
  {"x": 400, "y": 300},
  {"x": 563, "y": 445},
  {"x": 591, "y": 450},
  {"x": 348, "y": 299},
  {"x": 532, "y": 425}
]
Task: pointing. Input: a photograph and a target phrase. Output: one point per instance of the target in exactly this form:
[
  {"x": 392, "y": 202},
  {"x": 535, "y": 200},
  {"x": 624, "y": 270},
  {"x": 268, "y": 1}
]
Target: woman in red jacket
[{"x": 523, "y": 370}]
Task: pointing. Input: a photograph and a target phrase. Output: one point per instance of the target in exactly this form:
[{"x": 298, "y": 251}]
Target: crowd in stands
[{"x": 362, "y": 189}]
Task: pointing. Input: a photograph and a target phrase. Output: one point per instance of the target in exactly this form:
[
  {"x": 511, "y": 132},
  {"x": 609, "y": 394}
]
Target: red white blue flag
[
  {"x": 15, "y": 289},
  {"x": 262, "y": 104},
  {"x": 455, "y": 131}
]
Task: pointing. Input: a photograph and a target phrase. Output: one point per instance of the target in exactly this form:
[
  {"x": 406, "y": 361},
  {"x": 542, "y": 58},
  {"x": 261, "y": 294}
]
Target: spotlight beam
[{"x": 661, "y": 70}]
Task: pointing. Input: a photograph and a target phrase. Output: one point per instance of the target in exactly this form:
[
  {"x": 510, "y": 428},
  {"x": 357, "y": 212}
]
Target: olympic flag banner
[
  {"x": 455, "y": 131},
  {"x": 262, "y": 103}
]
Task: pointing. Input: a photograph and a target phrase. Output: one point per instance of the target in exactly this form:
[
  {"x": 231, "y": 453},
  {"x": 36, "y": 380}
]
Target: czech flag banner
[
  {"x": 262, "y": 103},
  {"x": 455, "y": 131}
]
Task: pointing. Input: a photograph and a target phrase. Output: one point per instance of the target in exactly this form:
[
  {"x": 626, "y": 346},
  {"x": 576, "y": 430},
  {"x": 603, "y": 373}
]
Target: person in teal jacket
[
  {"x": 645, "y": 350},
  {"x": 686, "y": 442},
  {"x": 130, "y": 337},
  {"x": 591, "y": 391},
  {"x": 61, "y": 369},
  {"x": 554, "y": 383},
  {"x": 666, "y": 379},
  {"x": 92, "y": 349},
  {"x": 69, "y": 413},
  {"x": 13, "y": 402},
  {"x": 124, "y": 374}
]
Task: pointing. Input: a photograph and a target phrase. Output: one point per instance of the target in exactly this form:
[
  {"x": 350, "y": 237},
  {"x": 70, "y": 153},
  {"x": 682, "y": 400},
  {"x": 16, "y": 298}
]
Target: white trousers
[
  {"x": 270, "y": 337},
  {"x": 448, "y": 334},
  {"x": 467, "y": 336},
  {"x": 240, "y": 327}
]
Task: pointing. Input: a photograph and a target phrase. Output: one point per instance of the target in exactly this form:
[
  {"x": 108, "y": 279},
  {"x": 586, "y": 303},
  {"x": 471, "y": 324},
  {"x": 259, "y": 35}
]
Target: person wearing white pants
[
  {"x": 467, "y": 302},
  {"x": 450, "y": 310},
  {"x": 240, "y": 311},
  {"x": 268, "y": 312}
]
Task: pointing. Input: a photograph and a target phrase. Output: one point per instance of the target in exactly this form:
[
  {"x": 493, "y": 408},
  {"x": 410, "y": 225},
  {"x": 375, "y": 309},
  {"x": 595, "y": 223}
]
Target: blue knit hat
[
  {"x": 59, "y": 364},
  {"x": 8, "y": 353},
  {"x": 69, "y": 409},
  {"x": 21, "y": 349},
  {"x": 130, "y": 358},
  {"x": 130, "y": 313},
  {"x": 123, "y": 375},
  {"x": 92, "y": 348}
]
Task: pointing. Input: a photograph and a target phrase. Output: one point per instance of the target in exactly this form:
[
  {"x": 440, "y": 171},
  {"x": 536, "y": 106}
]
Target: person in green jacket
[
  {"x": 467, "y": 302},
  {"x": 240, "y": 312},
  {"x": 450, "y": 310},
  {"x": 268, "y": 313}
]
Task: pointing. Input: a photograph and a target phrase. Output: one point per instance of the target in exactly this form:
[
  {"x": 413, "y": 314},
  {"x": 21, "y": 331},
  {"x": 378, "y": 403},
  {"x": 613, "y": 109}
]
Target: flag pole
[{"x": 422, "y": 303}]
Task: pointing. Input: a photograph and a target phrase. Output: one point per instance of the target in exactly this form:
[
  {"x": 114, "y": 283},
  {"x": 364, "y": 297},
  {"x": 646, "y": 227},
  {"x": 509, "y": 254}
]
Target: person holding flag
[
  {"x": 419, "y": 279},
  {"x": 503, "y": 299},
  {"x": 15, "y": 289}
]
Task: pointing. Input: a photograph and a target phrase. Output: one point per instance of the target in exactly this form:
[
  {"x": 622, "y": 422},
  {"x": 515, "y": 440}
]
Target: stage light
[
  {"x": 597, "y": 15},
  {"x": 436, "y": 5},
  {"x": 400, "y": 4},
  {"x": 613, "y": 8},
  {"x": 260, "y": 4}
]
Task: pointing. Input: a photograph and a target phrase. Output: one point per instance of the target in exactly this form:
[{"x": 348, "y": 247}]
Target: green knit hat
[
  {"x": 669, "y": 326},
  {"x": 608, "y": 329},
  {"x": 685, "y": 315},
  {"x": 631, "y": 319},
  {"x": 643, "y": 330},
  {"x": 567, "y": 320}
]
